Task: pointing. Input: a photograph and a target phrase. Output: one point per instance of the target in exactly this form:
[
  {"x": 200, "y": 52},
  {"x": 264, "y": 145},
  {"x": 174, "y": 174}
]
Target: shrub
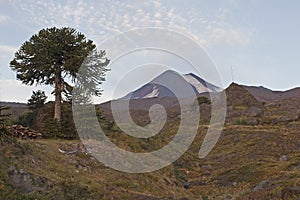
[
  {"x": 5, "y": 135},
  {"x": 27, "y": 119},
  {"x": 35, "y": 103},
  {"x": 37, "y": 100},
  {"x": 241, "y": 121},
  {"x": 203, "y": 100},
  {"x": 60, "y": 129}
]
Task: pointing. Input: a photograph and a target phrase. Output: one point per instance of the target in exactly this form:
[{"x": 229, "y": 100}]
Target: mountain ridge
[
  {"x": 202, "y": 88},
  {"x": 156, "y": 87}
]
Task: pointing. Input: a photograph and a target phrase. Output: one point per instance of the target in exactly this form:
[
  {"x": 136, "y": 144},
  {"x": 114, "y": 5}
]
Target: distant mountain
[
  {"x": 16, "y": 109},
  {"x": 169, "y": 82},
  {"x": 264, "y": 94},
  {"x": 13, "y": 104},
  {"x": 253, "y": 95}
]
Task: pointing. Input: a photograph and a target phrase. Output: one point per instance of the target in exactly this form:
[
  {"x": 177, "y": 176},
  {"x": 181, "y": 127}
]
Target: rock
[
  {"x": 287, "y": 118},
  {"x": 255, "y": 112},
  {"x": 197, "y": 183},
  {"x": 26, "y": 182},
  {"x": 283, "y": 158},
  {"x": 206, "y": 167},
  {"x": 186, "y": 185},
  {"x": 21, "y": 179},
  {"x": 206, "y": 173},
  {"x": 261, "y": 185},
  {"x": 251, "y": 121}
]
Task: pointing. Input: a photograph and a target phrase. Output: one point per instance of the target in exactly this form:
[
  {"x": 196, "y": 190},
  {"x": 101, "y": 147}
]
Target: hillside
[
  {"x": 256, "y": 157},
  {"x": 267, "y": 95},
  {"x": 16, "y": 109},
  {"x": 249, "y": 162}
]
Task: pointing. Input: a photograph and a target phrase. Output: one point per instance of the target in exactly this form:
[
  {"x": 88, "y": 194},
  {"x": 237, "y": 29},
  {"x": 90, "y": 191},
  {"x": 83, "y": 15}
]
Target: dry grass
[{"x": 244, "y": 156}]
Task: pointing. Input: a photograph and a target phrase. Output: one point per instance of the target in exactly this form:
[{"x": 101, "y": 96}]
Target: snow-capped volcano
[
  {"x": 200, "y": 85},
  {"x": 171, "y": 84}
]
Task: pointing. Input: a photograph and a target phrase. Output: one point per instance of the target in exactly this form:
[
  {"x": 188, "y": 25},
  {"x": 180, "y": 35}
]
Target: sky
[{"x": 258, "y": 40}]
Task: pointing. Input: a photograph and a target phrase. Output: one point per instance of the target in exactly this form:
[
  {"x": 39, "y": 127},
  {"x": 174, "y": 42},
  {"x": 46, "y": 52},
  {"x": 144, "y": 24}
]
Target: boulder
[
  {"x": 262, "y": 185},
  {"x": 21, "y": 179},
  {"x": 26, "y": 182}
]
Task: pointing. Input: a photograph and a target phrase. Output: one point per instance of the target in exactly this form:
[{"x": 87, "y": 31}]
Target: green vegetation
[
  {"x": 35, "y": 103},
  {"x": 27, "y": 119},
  {"x": 203, "y": 100},
  {"x": 242, "y": 121},
  {"x": 241, "y": 160},
  {"x": 37, "y": 100},
  {"x": 53, "y": 56},
  {"x": 261, "y": 161},
  {"x": 5, "y": 135},
  {"x": 51, "y": 128}
]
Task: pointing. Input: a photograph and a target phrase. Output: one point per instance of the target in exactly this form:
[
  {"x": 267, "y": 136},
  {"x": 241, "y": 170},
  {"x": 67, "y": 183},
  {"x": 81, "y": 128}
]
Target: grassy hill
[
  {"x": 256, "y": 157},
  {"x": 249, "y": 162},
  {"x": 16, "y": 109}
]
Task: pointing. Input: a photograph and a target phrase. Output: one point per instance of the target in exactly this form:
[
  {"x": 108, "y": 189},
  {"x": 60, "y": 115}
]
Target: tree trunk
[{"x": 57, "y": 108}]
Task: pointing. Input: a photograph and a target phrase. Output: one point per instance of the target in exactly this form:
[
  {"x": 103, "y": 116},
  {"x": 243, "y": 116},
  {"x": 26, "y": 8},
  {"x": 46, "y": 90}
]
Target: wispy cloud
[
  {"x": 227, "y": 36},
  {"x": 13, "y": 89},
  {"x": 20, "y": 92},
  {"x": 5, "y": 49},
  {"x": 4, "y": 18},
  {"x": 102, "y": 19},
  {"x": 6, "y": 53}
]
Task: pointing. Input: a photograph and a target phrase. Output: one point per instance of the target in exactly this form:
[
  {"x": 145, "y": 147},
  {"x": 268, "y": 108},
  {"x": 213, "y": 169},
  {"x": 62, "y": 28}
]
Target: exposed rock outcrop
[{"x": 24, "y": 181}]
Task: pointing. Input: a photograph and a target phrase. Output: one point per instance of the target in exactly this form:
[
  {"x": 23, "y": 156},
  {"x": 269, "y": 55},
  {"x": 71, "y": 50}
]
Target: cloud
[
  {"x": 13, "y": 90},
  {"x": 100, "y": 20},
  {"x": 5, "y": 49},
  {"x": 227, "y": 36},
  {"x": 6, "y": 55},
  {"x": 4, "y": 18},
  {"x": 205, "y": 22}
]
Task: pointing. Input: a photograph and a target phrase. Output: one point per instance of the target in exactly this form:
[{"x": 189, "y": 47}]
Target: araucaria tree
[
  {"x": 53, "y": 56},
  {"x": 37, "y": 100}
]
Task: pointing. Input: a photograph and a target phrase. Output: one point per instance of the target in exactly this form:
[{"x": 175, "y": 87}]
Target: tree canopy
[
  {"x": 37, "y": 99},
  {"x": 53, "y": 57}
]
